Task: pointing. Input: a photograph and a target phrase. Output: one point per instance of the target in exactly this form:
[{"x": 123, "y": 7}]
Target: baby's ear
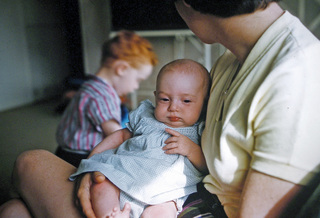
[
  {"x": 155, "y": 93},
  {"x": 120, "y": 67}
]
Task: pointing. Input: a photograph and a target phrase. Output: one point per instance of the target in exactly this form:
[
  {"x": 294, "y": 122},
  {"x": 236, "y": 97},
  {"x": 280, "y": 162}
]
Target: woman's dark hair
[{"x": 227, "y": 8}]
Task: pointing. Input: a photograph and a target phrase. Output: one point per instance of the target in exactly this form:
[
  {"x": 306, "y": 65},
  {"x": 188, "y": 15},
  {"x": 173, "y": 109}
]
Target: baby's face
[{"x": 179, "y": 99}]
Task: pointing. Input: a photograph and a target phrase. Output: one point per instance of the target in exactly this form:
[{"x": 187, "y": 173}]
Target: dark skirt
[
  {"x": 202, "y": 204},
  {"x": 70, "y": 157}
]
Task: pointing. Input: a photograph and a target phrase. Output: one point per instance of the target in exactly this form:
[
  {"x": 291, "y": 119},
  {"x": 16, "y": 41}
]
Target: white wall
[
  {"x": 15, "y": 74},
  {"x": 95, "y": 27},
  {"x": 32, "y": 52},
  {"x": 307, "y": 11},
  {"x": 46, "y": 46}
]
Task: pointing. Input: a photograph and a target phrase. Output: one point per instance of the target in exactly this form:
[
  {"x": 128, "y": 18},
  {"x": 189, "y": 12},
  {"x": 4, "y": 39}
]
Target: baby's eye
[
  {"x": 164, "y": 99},
  {"x": 186, "y": 101}
]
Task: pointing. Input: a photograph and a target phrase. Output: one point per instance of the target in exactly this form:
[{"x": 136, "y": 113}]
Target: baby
[{"x": 156, "y": 162}]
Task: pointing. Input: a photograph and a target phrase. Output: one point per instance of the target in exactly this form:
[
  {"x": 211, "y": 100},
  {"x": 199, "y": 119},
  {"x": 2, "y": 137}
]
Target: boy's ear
[{"x": 120, "y": 67}]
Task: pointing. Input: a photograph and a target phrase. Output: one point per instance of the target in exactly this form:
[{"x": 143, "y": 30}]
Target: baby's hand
[
  {"x": 181, "y": 144},
  {"x": 178, "y": 144}
]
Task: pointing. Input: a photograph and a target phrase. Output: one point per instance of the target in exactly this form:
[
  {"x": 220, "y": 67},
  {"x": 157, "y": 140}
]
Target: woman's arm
[{"x": 265, "y": 196}]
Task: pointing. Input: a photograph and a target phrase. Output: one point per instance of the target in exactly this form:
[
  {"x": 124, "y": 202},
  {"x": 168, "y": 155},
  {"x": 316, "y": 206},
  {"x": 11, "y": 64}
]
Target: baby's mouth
[{"x": 174, "y": 119}]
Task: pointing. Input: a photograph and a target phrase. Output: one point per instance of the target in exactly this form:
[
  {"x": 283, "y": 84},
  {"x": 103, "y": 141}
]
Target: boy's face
[
  {"x": 132, "y": 79},
  {"x": 179, "y": 98}
]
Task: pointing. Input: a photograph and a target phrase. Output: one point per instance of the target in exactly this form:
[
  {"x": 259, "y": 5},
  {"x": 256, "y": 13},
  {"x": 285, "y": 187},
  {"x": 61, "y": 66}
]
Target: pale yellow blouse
[{"x": 264, "y": 114}]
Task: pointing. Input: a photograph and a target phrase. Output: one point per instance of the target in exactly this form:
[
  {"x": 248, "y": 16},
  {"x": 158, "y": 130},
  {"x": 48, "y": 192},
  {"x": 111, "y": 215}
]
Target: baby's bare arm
[
  {"x": 112, "y": 141},
  {"x": 181, "y": 144}
]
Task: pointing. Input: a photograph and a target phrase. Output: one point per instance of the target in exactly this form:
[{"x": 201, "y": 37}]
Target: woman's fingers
[
  {"x": 98, "y": 177},
  {"x": 84, "y": 196}
]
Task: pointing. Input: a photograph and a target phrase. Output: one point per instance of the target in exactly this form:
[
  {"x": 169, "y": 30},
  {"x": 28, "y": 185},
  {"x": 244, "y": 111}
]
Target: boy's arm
[
  {"x": 180, "y": 144},
  {"x": 112, "y": 141},
  {"x": 110, "y": 126}
]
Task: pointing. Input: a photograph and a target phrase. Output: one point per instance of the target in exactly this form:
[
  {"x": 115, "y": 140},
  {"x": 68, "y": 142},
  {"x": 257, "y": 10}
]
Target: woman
[{"x": 260, "y": 140}]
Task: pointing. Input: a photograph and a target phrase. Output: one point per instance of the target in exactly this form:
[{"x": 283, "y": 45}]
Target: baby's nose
[{"x": 173, "y": 106}]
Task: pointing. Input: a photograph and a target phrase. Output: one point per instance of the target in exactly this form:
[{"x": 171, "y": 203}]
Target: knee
[
  {"x": 24, "y": 164},
  {"x": 27, "y": 160},
  {"x": 14, "y": 208}
]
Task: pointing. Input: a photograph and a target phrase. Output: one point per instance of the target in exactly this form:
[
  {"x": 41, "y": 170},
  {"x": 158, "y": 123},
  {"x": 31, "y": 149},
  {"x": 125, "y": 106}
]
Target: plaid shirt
[{"x": 80, "y": 127}]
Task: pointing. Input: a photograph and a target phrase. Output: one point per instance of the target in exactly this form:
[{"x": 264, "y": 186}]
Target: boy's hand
[{"x": 179, "y": 144}]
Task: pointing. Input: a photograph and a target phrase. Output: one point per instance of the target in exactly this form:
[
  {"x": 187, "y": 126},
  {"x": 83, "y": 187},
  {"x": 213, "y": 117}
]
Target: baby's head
[{"x": 181, "y": 93}]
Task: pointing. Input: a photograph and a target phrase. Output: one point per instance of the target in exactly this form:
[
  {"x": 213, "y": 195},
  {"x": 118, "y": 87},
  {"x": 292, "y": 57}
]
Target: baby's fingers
[
  {"x": 171, "y": 140},
  {"x": 172, "y": 151},
  {"x": 172, "y": 132},
  {"x": 169, "y": 146}
]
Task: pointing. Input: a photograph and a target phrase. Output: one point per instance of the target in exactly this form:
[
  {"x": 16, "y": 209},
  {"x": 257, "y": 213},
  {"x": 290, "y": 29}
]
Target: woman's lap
[{"x": 41, "y": 179}]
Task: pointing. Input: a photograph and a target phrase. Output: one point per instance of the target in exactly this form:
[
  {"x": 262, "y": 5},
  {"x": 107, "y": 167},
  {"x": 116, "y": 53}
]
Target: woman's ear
[
  {"x": 185, "y": 2},
  {"x": 120, "y": 67}
]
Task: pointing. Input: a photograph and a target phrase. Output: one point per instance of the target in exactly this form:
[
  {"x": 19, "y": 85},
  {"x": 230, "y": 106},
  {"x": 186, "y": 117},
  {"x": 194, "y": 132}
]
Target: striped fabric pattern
[
  {"x": 195, "y": 207},
  {"x": 80, "y": 127},
  {"x": 202, "y": 204}
]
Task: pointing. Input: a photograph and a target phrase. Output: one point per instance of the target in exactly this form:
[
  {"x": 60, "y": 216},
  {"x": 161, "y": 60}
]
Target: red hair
[{"x": 130, "y": 47}]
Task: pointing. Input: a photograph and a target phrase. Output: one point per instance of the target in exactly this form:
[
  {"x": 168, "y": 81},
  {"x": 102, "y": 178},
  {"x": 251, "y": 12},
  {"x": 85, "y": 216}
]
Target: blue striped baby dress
[{"x": 140, "y": 168}]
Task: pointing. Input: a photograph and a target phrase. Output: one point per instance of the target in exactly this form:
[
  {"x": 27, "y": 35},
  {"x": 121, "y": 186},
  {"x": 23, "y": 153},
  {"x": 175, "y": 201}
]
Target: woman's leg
[
  {"x": 41, "y": 179},
  {"x": 167, "y": 209},
  {"x": 104, "y": 198},
  {"x": 14, "y": 208}
]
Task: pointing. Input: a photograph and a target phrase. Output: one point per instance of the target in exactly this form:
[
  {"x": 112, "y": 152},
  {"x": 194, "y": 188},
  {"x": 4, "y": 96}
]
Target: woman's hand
[
  {"x": 83, "y": 186},
  {"x": 83, "y": 183}
]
